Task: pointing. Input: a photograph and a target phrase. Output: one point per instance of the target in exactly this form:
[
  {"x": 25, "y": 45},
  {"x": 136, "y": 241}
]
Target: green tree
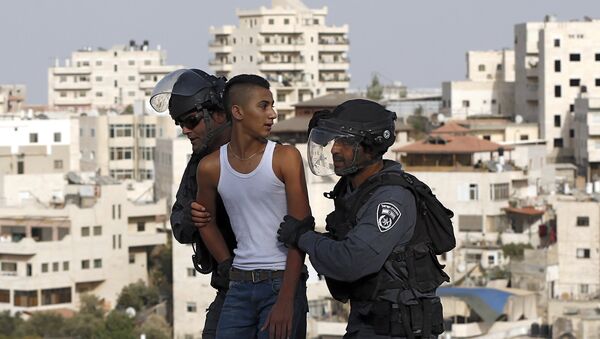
[
  {"x": 155, "y": 327},
  {"x": 42, "y": 324},
  {"x": 117, "y": 325},
  {"x": 8, "y": 324},
  {"x": 375, "y": 89},
  {"x": 515, "y": 251},
  {"x": 91, "y": 305},
  {"x": 419, "y": 123},
  {"x": 128, "y": 109},
  {"x": 84, "y": 325},
  {"x": 138, "y": 296}
]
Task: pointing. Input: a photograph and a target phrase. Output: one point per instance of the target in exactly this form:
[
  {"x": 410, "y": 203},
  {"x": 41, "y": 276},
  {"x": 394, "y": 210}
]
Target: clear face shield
[
  {"x": 332, "y": 152},
  {"x": 161, "y": 94}
]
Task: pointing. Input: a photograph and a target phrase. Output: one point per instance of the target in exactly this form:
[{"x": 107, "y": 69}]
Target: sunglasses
[{"x": 190, "y": 121}]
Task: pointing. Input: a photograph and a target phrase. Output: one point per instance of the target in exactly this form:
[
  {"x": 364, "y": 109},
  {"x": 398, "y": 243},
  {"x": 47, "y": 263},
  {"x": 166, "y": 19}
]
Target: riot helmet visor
[{"x": 331, "y": 152}]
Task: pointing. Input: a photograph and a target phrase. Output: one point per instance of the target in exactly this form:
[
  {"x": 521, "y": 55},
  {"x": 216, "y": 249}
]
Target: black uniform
[
  {"x": 384, "y": 224},
  {"x": 186, "y": 233}
]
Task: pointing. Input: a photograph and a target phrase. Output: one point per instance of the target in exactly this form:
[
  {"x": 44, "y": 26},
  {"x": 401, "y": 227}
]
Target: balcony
[
  {"x": 294, "y": 46},
  {"x": 26, "y": 246},
  {"x": 146, "y": 239},
  {"x": 86, "y": 85},
  {"x": 162, "y": 70},
  {"x": 71, "y": 70},
  {"x": 147, "y": 85},
  {"x": 58, "y": 101},
  {"x": 333, "y": 66}
]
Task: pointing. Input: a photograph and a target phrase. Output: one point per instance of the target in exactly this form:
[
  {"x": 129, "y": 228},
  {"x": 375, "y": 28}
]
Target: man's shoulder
[
  {"x": 286, "y": 152},
  {"x": 209, "y": 163}
]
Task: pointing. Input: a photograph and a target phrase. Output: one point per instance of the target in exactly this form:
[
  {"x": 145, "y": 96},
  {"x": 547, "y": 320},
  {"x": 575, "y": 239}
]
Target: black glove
[
  {"x": 224, "y": 267},
  {"x": 291, "y": 229}
]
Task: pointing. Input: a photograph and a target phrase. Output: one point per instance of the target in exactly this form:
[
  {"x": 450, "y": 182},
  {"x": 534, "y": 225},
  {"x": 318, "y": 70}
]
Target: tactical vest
[{"x": 402, "y": 293}]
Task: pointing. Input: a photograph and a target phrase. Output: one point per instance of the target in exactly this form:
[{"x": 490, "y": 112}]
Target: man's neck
[
  {"x": 220, "y": 139},
  {"x": 365, "y": 173}
]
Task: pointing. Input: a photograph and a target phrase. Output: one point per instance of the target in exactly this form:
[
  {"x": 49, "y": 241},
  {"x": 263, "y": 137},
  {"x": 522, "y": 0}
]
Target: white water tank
[{"x": 589, "y": 188}]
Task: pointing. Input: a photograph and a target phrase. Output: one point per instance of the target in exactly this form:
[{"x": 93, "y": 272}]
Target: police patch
[{"x": 387, "y": 216}]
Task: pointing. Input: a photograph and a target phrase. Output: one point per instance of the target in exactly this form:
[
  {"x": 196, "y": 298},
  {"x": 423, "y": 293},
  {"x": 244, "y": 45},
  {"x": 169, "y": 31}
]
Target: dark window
[
  {"x": 33, "y": 138},
  {"x": 57, "y": 137},
  {"x": 557, "y": 66},
  {"x": 572, "y": 133},
  {"x": 56, "y": 296},
  {"x": 20, "y": 166},
  {"x": 85, "y": 264},
  {"x": 583, "y": 253},
  {"x": 574, "y": 82},
  {"x": 556, "y": 42},
  {"x": 597, "y": 82},
  {"x": 558, "y": 143},
  {"x": 557, "y": 91},
  {"x": 557, "y": 121},
  {"x": 571, "y": 108},
  {"x": 141, "y": 226},
  {"x": 597, "y": 56},
  {"x": 583, "y": 221},
  {"x": 26, "y": 298},
  {"x": 574, "y": 57},
  {"x": 487, "y": 137},
  {"x": 524, "y": 137}
]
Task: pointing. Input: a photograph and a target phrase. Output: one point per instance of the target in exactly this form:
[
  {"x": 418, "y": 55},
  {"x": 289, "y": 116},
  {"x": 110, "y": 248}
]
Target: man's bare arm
[{"x": 207, "y": 177}]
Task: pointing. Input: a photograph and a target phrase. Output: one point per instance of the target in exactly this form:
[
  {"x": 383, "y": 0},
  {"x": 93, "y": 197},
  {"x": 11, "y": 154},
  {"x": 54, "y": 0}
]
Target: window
[
  {"x": 147, "y": 62},
  {"x": 473, "y": 192},
  {"x": 97, "y": 263},
  {"x": 499, "y": 67},
  {"x": 574, "y": 82},
  {"x": 4, "y": 296},
  {"x": 572, "y": 108},
  {"x": 44, "y": 267},
  {"x": 53, "y": 296},
  {"x": 33, "y": 138},
  {"x": 26, "y": 298},
  {"x": 487, "y": 137},
  {"x": 557, "y": 66},
  {"x": 132, "y": 258},
  {"x": 85, "y": 231},
  {"x": 281, "y": 97},
  {"x": 99, "y": 94},
  {"x": 524, "y": 137},
  {"x": 557, "y": 91},
  {"x": 115, "y": 68},
  {"x": 131, "y": 78},
  {"x": 286, "y": 21},
  {"x": 271, "y": 21},
  {"x": 120, "y": 153},
  {"x": 556, "y": 42},
  {"x": 8, "y": 268},
  {"x": 491, "y": 260},
  {"x": 575, "y": 57},
  {"x": 558, "y": 142},
  {"x": 119, "y": 242},
  {"x": 597, "y": 82},
  {"x": 57, "y": 137},
  {"x": 597, "y": 57},
  {"x": 58, "y": 164},
  {"x": 85, "y": 264},
  {"x": 571, "y": 133},
  {"x": 583, "y": 221},
  {"x": 20, "y": 166},
  {"x": 557, "y": 120},
  {"x": 65, "y": 265},
  {"x": 191, "y": 272},
  {"x": 97, "y": 230},
  {"x": 499, "y": 191},
  {"x": 191, "y": 307},
  {"x": 584, "y": 288},
  {"x": 470, "y": 223},
  {"x": 63, "y": 94},
  {"x": 466, "y": 103},
  {"x": 98, "y": 78},
  {"x": 583, "y": 253},
  {"x": 147, "y": 131},
  {"x": 92, "y": 132},
  {"x": 481, "y": 68},
  {"x": 55, "y": 267},
  {"x": 315, "y": 21},
  {"x": 141, "y": 226},
  {"x": 131, "y": 62}
]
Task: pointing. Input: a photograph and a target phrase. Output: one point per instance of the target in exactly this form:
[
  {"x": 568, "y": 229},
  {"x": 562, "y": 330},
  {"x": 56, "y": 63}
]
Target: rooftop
[{"x": 451, "y": 144}]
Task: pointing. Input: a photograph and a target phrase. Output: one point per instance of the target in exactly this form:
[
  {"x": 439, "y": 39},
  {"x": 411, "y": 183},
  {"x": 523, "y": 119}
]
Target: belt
[{"x": 254, "y": 276}]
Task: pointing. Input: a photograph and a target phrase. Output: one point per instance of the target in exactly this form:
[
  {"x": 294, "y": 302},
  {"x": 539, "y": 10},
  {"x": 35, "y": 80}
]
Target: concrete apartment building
[
  {"x": 290, "y": 45},
  {"x": 95, "y": 241},
  {"x": 106, "y": 78},
  {"x": 38, "y": 145},
  {"x": 488, "y": 89},
  {"x": 555, "y": 62},
  {"x": 587, "y": 137},
  {"x": 123, "y": 145},
  {"x": 12, "y": 98},
  {"x": 578, "y": 241}
]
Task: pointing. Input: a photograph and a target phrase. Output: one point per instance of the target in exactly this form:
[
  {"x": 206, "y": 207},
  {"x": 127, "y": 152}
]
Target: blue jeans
[
  {"x": 247, "y": 306},
  {"x": 212, "y": 316}
]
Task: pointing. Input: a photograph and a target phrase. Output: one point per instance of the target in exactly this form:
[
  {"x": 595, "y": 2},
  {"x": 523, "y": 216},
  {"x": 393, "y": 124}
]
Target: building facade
[
  {"x": 12, "y": 98},
  {"x": 106, "y": 78},
  {"x": 123, "y": 145},
  {"x": 290, "y": 45}
]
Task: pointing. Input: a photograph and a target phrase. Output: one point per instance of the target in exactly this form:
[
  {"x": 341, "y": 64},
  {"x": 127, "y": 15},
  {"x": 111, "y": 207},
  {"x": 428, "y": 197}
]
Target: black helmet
[
  {"x": 186, "y": 89},
  {"x": 364, "y": 122}
]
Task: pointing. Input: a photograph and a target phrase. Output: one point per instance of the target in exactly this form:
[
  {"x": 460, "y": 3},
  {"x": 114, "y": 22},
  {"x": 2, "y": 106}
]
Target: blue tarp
[{"x": 488, "y": 303}]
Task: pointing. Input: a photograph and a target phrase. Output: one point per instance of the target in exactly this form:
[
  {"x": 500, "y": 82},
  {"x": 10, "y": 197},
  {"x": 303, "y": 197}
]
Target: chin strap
[
  {"x": 357, "y": 166},
  {"x": 211, "y": 132}
]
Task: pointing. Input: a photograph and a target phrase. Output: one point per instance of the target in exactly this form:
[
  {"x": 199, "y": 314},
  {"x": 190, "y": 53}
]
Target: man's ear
[
  {"x": 219, "y": 117},
  {"x": 236, "y": 112}
]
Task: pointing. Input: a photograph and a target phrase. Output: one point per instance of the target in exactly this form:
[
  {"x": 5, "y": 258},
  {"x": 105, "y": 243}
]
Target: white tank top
[{"x": 256, "y": 204}]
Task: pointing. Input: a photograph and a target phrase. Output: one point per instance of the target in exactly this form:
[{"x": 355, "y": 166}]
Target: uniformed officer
[
  {"x": 360, "y": 256},
  {"x": 194, "y": 100}
]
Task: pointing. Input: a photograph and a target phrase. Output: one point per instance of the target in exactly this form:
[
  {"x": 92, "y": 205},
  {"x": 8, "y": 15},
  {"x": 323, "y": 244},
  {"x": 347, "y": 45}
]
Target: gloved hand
[
  {"x": 291, "y": 229},
  {"x": 224, "y": 267}
]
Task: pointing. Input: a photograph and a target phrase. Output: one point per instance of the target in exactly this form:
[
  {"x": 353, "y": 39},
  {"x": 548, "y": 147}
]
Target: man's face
[
  {"x": 343, "y": 152},
  {"x": 194, "y": 128},
  {"x": 258, "y": 112}
]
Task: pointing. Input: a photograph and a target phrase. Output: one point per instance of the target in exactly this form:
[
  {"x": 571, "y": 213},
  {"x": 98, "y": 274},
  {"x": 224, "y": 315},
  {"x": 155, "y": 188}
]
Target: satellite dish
[
  {"x": 441, "y": 117},
  {"x": 518, "y": 119},
  {"x": 461, "y": 268},
  {"x": 130, "y": 311}
]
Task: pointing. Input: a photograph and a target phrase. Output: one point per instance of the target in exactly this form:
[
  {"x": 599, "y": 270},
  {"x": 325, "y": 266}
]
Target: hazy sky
[{"x": 419, "y": 42}]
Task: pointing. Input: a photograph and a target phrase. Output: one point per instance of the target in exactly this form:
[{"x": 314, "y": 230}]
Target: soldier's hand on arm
[
  {"x": 291, "y": 229},
  {"x": 207, "y": 177},
  {"x": 200, "y": 216}
]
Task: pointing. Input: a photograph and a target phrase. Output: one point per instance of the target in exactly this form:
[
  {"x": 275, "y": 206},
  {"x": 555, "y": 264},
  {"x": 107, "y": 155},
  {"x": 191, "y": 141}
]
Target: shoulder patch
[{"x": 387, "y": 216}]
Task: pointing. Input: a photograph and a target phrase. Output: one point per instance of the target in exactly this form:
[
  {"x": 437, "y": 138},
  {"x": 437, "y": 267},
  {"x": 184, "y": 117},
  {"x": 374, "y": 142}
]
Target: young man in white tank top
[{"x": 260, "y": 182}]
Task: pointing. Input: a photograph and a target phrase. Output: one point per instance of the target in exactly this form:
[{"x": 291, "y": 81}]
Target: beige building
[
  {"x": 96, "y": 241},
  {"x": 107, "y": 78},
  {"x": 290, "y": 45},
  {"x": 12, "y": 98},
  {"x": 555, "y": 62},
  {"x": 123, "y": 145},
  {"x": 488, "y": 90},
  {"x": 587, "y": 137},
  {"x": 36, "y": 146},
  {"x": 578, "y": 241}
]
